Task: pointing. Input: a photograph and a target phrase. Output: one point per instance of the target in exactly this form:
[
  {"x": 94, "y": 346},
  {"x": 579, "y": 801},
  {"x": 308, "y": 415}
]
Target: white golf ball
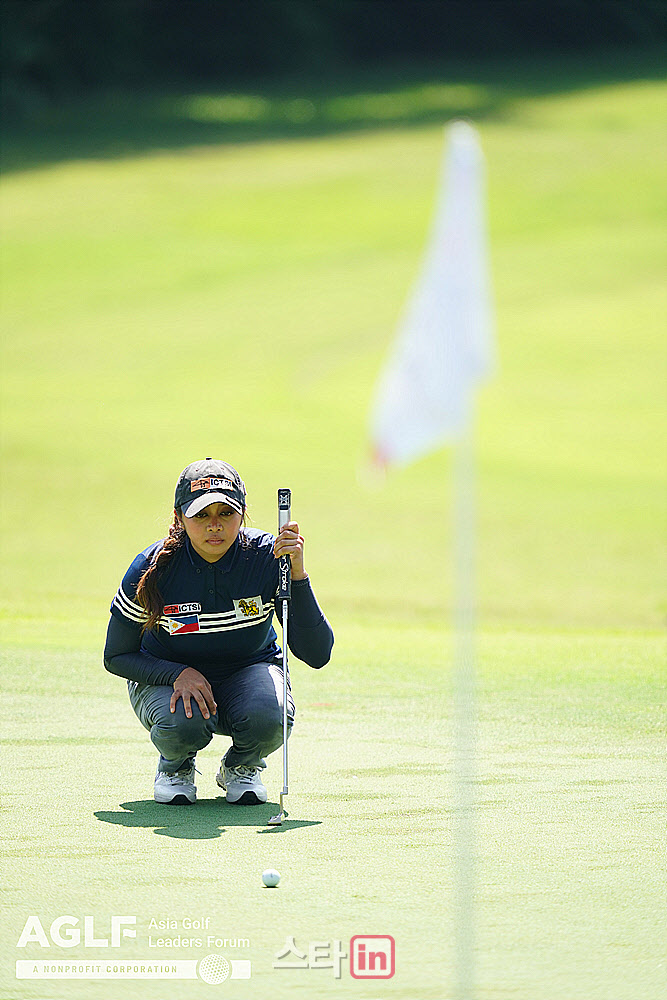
[{"x": 271, "y": 878}]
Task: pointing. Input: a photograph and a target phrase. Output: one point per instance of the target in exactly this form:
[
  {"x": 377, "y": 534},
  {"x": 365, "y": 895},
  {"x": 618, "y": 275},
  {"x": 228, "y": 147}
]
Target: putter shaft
[{"x": 284, "y": 592}]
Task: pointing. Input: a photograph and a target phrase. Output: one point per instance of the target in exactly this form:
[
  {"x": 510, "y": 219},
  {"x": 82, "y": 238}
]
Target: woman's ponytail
[{"x": 148, "y": 591}]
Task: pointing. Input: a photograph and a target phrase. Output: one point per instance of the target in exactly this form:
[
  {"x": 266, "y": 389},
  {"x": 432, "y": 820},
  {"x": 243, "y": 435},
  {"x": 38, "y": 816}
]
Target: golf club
[{"x": 284, "y": 595}]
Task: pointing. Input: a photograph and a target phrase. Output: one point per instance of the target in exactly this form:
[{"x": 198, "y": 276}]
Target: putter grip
[{"x": 285, "y": 563}]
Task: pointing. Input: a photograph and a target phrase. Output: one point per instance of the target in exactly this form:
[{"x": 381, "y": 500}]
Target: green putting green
[{"x": 236, "y": 299}]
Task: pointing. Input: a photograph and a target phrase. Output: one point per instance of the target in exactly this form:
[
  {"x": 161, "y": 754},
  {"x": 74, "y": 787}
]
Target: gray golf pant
[{"x": 250, "y": 710}]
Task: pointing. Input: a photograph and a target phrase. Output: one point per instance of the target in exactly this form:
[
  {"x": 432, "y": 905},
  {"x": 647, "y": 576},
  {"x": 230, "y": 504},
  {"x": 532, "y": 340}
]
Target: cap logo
[{"x": 210, "y": 484}]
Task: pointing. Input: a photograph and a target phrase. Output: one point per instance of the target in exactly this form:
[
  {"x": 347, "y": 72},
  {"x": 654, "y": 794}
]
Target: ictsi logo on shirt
[{"x": 186, "y": 623}]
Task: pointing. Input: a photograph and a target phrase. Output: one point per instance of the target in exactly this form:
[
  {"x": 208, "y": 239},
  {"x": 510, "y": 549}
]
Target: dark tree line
[{"x": 57, "y": 48}]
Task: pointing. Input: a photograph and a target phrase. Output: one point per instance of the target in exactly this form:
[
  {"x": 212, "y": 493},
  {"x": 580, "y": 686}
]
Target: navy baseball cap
[{"x": 209, "y": 481}]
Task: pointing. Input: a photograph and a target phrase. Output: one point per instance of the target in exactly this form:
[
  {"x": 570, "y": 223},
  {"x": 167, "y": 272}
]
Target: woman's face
[{"x": 213, "y": 530}]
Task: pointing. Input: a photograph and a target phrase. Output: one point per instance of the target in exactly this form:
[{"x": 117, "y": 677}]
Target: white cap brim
[{"x": 206, "y": 500}]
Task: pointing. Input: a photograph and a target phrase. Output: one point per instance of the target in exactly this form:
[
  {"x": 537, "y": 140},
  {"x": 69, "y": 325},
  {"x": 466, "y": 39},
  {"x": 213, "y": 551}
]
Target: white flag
[{"x": 444, "y": 343}]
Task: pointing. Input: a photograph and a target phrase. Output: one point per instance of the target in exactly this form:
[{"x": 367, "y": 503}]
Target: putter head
[{"x": 278, "y": 820}]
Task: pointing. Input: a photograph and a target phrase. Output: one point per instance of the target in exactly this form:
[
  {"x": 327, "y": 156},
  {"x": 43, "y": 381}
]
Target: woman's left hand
[{"x": 290, "y": 543}]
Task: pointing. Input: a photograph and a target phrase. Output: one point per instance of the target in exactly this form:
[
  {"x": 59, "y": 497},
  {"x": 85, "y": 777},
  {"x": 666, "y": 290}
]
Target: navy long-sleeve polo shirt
[{"x": 217, "y": 617}]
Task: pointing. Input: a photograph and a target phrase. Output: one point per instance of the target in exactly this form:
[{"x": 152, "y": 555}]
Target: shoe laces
[
  {"x": 244, "y": 773},
  {"x": 184, "y": 775}
]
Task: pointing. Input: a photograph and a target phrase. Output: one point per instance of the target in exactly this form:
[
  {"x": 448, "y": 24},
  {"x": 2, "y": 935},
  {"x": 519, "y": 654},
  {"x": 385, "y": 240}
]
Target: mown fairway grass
[{"x": 236, "y": 299}]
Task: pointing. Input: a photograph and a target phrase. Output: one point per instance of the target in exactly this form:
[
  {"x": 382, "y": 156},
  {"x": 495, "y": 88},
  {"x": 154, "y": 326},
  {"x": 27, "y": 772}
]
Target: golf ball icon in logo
[{"x": 214, "y": 969}]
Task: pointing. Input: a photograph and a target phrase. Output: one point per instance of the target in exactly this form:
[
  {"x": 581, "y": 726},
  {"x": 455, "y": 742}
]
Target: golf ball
[{"x": 271, "y": 878}]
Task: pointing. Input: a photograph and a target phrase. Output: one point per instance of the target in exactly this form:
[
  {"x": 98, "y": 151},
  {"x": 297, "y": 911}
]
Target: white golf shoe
[
  {"x": 176, "y": 788},
  {"x": 243, "y": 784}
]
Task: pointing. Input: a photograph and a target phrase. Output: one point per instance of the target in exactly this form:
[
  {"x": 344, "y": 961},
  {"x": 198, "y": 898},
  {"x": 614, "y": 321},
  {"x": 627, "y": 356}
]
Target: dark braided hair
[{"x": 148, "y": 591}]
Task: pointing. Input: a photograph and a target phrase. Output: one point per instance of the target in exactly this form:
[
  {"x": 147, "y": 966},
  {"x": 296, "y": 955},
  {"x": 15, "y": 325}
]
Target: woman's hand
[
  {"x": 290, "y": 543},
  {"x": 191, "y": 684}
]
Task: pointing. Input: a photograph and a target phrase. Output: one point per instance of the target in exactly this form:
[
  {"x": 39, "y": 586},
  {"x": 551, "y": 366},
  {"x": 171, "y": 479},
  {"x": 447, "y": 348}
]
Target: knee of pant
[
  {"x": 267, "y": 725},
  {"x": 178, "y": 722}
]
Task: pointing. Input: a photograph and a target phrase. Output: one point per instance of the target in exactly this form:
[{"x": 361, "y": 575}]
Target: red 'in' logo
[{"x": 372, "y": 956}]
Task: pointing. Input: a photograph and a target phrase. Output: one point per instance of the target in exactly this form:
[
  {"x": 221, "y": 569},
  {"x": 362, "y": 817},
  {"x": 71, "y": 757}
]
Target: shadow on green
[
  {"x": 117, "y": 124},
  {"x": 205, "y": 820}
]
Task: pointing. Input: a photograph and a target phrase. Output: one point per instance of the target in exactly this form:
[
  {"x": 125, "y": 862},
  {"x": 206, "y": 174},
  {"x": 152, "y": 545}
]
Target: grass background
[{"x": 226, "y": 281}]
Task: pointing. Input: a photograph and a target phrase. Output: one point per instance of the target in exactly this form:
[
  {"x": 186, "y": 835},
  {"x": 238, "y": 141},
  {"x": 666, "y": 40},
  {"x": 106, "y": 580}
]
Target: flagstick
[
  {"x": 442, "y": 349},
  {"x": 464, "y": 771}
]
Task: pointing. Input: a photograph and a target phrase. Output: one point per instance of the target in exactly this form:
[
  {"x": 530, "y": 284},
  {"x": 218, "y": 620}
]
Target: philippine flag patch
[{"x": 186, "y": 623}]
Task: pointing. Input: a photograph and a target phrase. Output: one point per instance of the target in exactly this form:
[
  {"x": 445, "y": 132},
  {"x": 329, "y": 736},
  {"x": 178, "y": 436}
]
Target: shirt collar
[{"x": 224, "y": 564}]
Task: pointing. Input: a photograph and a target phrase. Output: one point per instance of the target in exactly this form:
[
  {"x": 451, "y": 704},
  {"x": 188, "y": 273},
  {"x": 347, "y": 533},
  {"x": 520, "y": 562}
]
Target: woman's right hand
[{"x": 191, "y": 684}]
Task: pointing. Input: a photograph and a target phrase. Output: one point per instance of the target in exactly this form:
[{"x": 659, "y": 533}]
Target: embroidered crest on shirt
[{"x": 248, "y": 607}]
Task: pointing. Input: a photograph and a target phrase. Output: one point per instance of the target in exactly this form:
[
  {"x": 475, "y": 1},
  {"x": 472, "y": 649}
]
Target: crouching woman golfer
[{"x": 191, "y": 630}]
